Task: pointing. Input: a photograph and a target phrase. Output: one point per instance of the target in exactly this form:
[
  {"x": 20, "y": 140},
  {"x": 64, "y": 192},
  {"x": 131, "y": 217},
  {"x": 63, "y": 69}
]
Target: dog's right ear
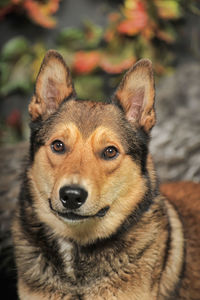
[{"x": 53, "y": 85}]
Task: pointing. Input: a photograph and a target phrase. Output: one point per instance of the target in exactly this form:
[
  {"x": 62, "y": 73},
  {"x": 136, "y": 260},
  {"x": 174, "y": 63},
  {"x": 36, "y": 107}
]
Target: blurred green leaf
[
  {"x": 193, "y": 8},
  {"x": 86, "y": 38},
  {"x": 121, "y": 57},
  {"x": 5, "y": 71},
  {"x": 8, "y": 135},
  {"x": 20, "y": 62},
  {"x": 39, "y": 51},
  {"x": 90, "y": 86},
  {"x": 144, "y": 48},
  {"x": 4, "y": 3},
  {"x": 168, "y": 9},
  {"x": 71, "y": 38},
  {"x": 14, "y": 48},
  {"x": 67, "y": 54},
  {"x": 168, "y": 34},
  {"x": 93, "y": 34},
  {"x": 20, "y": 77}
]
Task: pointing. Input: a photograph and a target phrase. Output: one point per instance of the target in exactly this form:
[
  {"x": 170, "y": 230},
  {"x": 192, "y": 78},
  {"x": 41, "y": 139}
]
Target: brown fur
[
  {"x": 186, "y": 197},
  {"x": 130, "y": 244}
]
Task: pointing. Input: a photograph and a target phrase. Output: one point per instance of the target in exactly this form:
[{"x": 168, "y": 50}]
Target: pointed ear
[
  {"x": 136, "y": 93},
  {"x": 53, "y": 85}
]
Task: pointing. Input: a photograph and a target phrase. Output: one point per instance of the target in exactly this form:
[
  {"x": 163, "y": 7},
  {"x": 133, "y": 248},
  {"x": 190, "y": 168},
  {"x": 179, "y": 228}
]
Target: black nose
[{"x": 72, "y": 197}]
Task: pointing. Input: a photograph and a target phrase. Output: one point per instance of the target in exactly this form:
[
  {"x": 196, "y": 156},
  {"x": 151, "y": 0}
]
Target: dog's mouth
[{"x": 71, "y": 216}]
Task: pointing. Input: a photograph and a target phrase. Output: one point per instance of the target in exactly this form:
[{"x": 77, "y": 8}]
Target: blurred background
[{"x": 99, "y": 41}]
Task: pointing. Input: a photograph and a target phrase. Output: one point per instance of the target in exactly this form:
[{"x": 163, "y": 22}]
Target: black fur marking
[
  {"x": 177, "y": 287},
  {"x": 143, "y": 250},
  {"x": 136, "y": 215},
  {"x": 24, "y": 195},
  {"x": 168, "y": 247},
  {"x": 34, "y": 142},
  {"x": 144, "y": 140},
  {"x": 8, "y": 273},
  {"x": 138, "y": 148},
  {"x": 181, "y": 276},
  {"x": 76, "y": 297},
  {"x": 175, "y": 292}
]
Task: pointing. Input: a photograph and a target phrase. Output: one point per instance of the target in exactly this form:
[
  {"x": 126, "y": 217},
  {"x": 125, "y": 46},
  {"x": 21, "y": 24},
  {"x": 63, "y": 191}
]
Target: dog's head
[{"x": 90, "y": 160}]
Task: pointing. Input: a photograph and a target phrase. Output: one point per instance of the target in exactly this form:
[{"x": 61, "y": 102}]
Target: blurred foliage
[
  {"x": 40, "y": 12},
  {"x": 139, "y": 28}
]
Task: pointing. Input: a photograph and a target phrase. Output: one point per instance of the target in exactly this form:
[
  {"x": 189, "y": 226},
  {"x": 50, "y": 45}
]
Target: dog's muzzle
[{"x": 73, "y": 197}]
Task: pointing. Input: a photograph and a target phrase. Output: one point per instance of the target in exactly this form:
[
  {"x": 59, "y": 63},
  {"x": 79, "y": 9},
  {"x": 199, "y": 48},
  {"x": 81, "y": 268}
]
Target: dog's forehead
[{"x": 88, "y": 116}]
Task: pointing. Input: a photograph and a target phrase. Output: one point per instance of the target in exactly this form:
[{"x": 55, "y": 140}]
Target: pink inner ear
[
  {"x": 51, "y": 94},
  {"x": 136, "y": 101}
]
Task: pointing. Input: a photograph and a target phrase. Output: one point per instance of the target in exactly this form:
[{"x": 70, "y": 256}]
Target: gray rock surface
[{"x": 175, "y": 141}]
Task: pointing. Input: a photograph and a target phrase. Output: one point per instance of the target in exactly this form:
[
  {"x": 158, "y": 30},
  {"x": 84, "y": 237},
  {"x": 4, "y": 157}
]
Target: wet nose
[{"x": 72, "y": 197}]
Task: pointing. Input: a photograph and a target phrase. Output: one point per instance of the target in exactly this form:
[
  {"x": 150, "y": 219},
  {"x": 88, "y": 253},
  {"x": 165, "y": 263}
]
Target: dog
[{"x": 91, "y": 222}]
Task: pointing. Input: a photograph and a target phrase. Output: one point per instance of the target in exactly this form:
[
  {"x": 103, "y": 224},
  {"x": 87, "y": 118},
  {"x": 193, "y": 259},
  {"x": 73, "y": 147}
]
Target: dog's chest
[
  {"x": 104, "y": 272},
  {"x": 87, "y": 266}
]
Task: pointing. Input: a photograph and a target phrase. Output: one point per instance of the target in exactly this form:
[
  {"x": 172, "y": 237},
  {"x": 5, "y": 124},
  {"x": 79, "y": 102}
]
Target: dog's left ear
[
  {"x": 53, "y": 85},
  {"x": 136, "y": 93}
]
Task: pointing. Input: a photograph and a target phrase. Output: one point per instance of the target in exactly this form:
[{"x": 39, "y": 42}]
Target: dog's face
[{"x": 89, "y": 160}]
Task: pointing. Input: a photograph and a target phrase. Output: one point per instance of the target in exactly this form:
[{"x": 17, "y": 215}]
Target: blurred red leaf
[
  {"x": 109, "y": 35},
  {"x": 14, "y": 119},
  {"x": 114, "y": 17},
  {"x": 136, "y": 19},
  {"x": 41, "y": 13},
  {"x": 131, "y": 27},
  {"x": 111, "y": 68},
  {"x": 115, "y": 63},
  {"x": 16, "y": 1},
  {"x": 111, "y": 31},
  {"x": 165, "y": 36},
  {"x": 86, "y": 62}
]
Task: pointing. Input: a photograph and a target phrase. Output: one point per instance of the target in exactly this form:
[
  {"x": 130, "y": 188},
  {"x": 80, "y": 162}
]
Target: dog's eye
[
  {"x": 58, "y": 147},
  {"x": 110, "y": 152}
]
